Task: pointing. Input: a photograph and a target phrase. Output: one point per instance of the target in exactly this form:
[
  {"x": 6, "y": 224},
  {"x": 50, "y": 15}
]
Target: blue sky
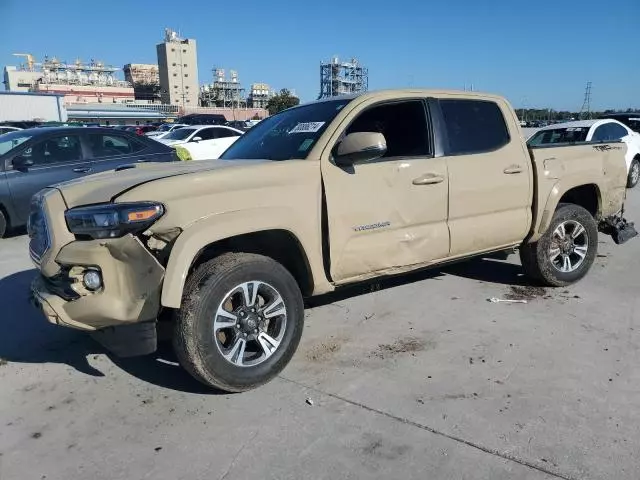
[{"x": 537, "y": 53}]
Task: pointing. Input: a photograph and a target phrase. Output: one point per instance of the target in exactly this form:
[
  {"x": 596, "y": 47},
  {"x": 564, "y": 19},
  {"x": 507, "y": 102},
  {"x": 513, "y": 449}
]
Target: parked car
[
  {"x": 238, "y": 125},
  {"x": 6, "y": 129},
  {"x": 631, "y": 120},
  {"x": 203, "y": 119},
  {"x": 604, "y": 130},
  {"x": 35, "y": 158},
  {"x": 141, "y": 129},
  {"x": 164, "y": 129},
  {"x": 314, "y": 198},
  {"x": 21, "y": 124},
  {"x": 201, "y": 142}
]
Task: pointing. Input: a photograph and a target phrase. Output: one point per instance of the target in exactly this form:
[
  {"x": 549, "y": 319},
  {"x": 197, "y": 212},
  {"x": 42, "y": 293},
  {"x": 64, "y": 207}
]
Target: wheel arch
[
  {"x": 586, "y": 195},
  {"x": 196, "y": 246}
]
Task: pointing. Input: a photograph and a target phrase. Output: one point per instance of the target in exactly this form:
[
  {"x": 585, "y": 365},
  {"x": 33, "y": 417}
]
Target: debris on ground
[
  {"x": 403, "y": 345},
  {"x": 3, "y": 362},
  {"x": 506, "y": 300},
  {"x": 525, "y": 293},
  {"x": 309, "y": 401},
  {"x": 323, "y": 351}
]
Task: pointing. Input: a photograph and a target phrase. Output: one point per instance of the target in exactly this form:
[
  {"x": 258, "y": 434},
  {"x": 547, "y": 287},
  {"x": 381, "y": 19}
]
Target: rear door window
[
  {"x": 103, "y": 145},
  {"x": 474, "y": 126},
  {"x": 559, "y": 135},
  {"x": 616, "y": 132}
]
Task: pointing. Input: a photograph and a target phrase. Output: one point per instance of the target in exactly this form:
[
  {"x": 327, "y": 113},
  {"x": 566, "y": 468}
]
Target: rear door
[
  {"x": 490, "y": 175},
  {"x": 390, "y": 213},
  {"x": 108, "y": 151},
  {"x": 55, "y": 159}
]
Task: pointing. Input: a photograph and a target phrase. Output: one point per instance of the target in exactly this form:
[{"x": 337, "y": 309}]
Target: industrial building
[
  {"x": 223, "y": 92},
  {"x": 178, "y": 70},
  {"x": 27, "y": 106},
  {"x": 342, "y": 78},
  {"x": 145, "y": 79},
  {"x": 78, "y": 82},
  {"x": 259, "y": 95}
]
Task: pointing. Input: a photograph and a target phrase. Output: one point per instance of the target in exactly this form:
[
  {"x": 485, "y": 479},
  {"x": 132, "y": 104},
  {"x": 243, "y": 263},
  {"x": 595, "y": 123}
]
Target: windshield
[
  {"x": 11, "y": 140},
  {"x": 559, "y": 135},
  {"x": 165, "y": 128},
  {"x": 179, "y": 134},
  {"x": 286, "y": 135}
]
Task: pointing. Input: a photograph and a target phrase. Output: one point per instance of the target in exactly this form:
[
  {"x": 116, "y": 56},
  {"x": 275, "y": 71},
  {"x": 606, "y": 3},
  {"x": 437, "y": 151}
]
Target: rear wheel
[
  {"x": 565, "y": 253},
  {"x": 240, "y": 323},
  {"x": 634, "y": 173},
  {"x": 3, "y": 224}
]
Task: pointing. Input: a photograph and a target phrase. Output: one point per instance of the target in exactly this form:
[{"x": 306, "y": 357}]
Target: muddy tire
[
  {"x": 565, "y": 253},
  {"x": 3, "y": 224},
  {"x": 240, "y": 322},
  {"x": 634, "y": 173}
]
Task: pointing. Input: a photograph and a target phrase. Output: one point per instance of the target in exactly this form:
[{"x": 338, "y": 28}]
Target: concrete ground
[{"x": 418, "y": 377}]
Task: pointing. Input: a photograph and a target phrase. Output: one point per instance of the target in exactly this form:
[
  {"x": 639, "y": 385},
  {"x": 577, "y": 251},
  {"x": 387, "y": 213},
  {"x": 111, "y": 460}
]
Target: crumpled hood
[{"x": 103, "y": 187}]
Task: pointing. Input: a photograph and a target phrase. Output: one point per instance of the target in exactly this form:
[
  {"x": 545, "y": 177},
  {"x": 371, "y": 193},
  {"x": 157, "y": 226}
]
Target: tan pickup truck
[{"x": 316, "y": 197}]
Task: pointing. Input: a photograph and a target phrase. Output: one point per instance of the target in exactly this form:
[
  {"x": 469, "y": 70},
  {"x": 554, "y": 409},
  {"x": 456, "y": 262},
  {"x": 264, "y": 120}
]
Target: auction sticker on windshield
[{"x": 307, "y": 127}]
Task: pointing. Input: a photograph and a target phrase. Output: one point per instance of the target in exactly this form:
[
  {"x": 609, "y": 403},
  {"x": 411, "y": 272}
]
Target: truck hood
[{"x": 105, "y": 186}]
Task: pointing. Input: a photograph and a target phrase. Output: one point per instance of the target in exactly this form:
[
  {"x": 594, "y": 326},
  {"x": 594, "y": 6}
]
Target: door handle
[
  {"x": 513, "y": 169},
  {"x": 82, "y": 169},
  {"x": 428, "y": 179}
]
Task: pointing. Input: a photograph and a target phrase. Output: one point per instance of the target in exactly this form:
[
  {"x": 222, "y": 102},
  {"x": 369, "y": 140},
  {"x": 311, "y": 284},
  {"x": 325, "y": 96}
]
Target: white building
[{"x": 21, "y": 106}]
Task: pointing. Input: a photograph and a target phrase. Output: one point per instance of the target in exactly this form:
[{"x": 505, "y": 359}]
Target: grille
[{"x": 38, "y": 230}]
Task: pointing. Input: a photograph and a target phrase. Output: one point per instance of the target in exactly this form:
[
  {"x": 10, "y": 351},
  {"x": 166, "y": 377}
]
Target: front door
[
  {"x": 55, "y": 160},
  {"x": 490, "y": 176},
  {"x": 391, "y": 213}
]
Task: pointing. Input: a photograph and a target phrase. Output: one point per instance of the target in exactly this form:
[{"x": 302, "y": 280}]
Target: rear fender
[{"x": 559, "y": 189}]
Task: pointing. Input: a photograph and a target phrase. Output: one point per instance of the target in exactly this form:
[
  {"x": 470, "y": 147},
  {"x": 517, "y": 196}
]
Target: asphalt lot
[{"x": 418, "y": 377}]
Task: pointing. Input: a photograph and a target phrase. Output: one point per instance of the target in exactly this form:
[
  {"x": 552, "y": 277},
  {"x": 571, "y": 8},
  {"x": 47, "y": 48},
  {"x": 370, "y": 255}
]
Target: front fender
[{"x": 221, "y": 226}]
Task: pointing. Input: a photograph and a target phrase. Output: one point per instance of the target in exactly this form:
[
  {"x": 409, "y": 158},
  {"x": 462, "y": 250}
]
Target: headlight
[{"x": 112, "y": 220}]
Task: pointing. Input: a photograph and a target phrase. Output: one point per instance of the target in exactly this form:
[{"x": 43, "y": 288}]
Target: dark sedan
[{"x": 32, "y": 159}]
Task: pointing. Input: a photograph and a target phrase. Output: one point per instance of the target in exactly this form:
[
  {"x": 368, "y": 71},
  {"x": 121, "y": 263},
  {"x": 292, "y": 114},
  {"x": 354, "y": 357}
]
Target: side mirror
[
  {"x": 360, "y": 147},
  {"x": 196, "y": 139},
  {"x": 22, "y": 163}
]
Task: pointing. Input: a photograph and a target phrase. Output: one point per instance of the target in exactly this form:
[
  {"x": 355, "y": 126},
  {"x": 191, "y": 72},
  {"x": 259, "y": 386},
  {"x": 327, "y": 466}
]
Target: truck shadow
[
  {"x": 28, "y": 338},
  {"x": 486, "y": 269}
]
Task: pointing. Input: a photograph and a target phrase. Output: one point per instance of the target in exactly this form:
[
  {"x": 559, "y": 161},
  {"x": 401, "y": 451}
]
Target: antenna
[{"x": 585, "y": 111}]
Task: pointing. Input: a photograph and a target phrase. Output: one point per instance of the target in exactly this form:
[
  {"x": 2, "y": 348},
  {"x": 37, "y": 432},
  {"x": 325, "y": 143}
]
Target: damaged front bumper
[{"x": 129, "y": 292}]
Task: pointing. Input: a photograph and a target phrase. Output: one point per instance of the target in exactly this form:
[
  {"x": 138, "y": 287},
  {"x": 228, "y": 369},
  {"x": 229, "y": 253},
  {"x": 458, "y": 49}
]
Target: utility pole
[{"x": 585, "y": 111}]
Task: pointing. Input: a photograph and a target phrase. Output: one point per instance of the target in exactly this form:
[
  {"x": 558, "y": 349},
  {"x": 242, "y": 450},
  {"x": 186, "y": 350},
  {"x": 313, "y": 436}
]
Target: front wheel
[
  {"x": 634, "y": 173},
  {"x": 565, "y": 253},
  {"x": 240, "y": 323}
]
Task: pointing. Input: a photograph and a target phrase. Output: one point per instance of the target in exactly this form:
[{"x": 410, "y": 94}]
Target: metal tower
[
  {"x": 585, "y": 111},
  {"x": 342, "y": 78}
]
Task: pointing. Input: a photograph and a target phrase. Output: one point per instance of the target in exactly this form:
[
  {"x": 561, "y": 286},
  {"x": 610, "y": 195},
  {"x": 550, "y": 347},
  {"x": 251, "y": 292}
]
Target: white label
[{"x": 307, "y": 127}]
